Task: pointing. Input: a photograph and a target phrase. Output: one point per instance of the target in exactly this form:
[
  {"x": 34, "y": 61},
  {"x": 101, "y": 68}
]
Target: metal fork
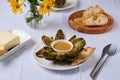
[
  {"x": 104, "y": 52},
  {"x": 110, "y": 53}
]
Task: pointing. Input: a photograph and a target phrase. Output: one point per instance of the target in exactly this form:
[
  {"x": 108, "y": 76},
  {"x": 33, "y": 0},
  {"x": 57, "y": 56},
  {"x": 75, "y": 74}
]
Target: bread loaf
[{"x": 93, "y": 16}]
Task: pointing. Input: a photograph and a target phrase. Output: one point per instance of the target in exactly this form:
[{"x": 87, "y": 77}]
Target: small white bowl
[{"x": 57, "y": 50}]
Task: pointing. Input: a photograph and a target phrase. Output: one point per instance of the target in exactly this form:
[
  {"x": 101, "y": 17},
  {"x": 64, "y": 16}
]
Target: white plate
[
  {"x": 69, "y": 4},
  {"x": 49, "y": 64},
  {"x": 24, "y": 39}
]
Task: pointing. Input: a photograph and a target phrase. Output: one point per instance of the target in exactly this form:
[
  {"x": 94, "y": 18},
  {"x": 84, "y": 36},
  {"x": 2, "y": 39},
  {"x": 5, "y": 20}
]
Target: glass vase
[{"x": 33, "y": 18}]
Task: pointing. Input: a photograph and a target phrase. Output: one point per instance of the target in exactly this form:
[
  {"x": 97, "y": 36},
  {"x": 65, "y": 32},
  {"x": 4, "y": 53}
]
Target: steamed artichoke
[
  {"x": 59, "y": 3},
  {"x": 48, "y": 53}
]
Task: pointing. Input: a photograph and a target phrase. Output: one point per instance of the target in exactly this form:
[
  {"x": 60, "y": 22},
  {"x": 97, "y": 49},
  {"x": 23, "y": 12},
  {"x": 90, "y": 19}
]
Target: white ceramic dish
[
  {"x": 57, "y": 41},
  {"x": 69, "y": 4},
  {"x": 49, "y": 64},
  {"x": 24, "y": 39}
]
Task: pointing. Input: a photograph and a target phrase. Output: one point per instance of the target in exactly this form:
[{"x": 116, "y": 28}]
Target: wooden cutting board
[{"x": 89, "y": 29}]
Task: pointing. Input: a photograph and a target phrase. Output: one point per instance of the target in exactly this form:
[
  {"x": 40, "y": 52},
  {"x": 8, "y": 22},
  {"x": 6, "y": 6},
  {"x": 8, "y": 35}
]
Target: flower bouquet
[{"x": 37, "y": 10}]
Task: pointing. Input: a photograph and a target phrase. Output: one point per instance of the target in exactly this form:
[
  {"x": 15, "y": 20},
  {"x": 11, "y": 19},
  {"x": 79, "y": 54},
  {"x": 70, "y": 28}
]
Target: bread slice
[
  {"x": 83, "y": 56},
  {"x": 93, "y": 9},
  {"x": 95, "y": 19}
]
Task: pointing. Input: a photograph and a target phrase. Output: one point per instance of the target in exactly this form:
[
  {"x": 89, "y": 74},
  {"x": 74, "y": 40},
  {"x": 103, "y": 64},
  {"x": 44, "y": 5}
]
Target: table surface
[{"x": 21, "y": 65}]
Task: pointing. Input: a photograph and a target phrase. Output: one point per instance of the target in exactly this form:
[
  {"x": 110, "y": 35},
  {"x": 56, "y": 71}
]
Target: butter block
[
  {"x": 2, "y": 50},
  {"x": 8, "y": 40}
]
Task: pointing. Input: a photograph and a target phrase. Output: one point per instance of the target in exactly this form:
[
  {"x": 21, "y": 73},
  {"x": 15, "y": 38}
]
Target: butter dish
[{"x": 24, "y": 40}]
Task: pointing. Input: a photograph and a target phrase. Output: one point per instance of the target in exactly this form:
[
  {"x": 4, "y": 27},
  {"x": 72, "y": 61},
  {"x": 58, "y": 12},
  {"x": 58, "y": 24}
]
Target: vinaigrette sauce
[{"x": 62, "y": 46}]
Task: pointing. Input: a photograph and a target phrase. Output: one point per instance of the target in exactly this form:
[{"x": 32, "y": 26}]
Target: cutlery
[
  {"x": 112, "y": 50},
  {"x": 105, "y": 49}
]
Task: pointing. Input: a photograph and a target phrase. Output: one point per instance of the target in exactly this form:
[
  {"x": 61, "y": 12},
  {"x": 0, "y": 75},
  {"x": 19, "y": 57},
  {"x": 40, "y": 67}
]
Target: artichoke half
[{"x": 59, "y": 3}]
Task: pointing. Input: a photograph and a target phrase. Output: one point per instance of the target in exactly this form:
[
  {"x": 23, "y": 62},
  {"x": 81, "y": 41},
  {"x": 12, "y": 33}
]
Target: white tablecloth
[{"x": 21, "y": 65}]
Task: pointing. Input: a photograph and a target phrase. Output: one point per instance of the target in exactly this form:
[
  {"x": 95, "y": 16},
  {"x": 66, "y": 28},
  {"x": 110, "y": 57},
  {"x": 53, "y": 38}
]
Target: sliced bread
[
  {"x": 93, "y": 9},
  {"x": 83, "y": 56},
  {"x": 95, "y": 19}
]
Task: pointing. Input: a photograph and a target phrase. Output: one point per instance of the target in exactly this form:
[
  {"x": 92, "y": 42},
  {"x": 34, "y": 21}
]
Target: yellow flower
[
  {"x": 16, "y": 1},
  {"x": 46, "y": 6},
  {"x": 16, "y": 7},
  {"x": 42, "y": 9},
  {"x": 10, "y": 0}
]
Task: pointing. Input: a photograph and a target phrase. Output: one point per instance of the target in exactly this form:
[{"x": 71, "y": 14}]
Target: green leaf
[
  {"x": 24, "y": 5},
  {"x": 35, "y": 3},
  {"x": 40, "y": 16},
  {"x": 29, "y": 19}
]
